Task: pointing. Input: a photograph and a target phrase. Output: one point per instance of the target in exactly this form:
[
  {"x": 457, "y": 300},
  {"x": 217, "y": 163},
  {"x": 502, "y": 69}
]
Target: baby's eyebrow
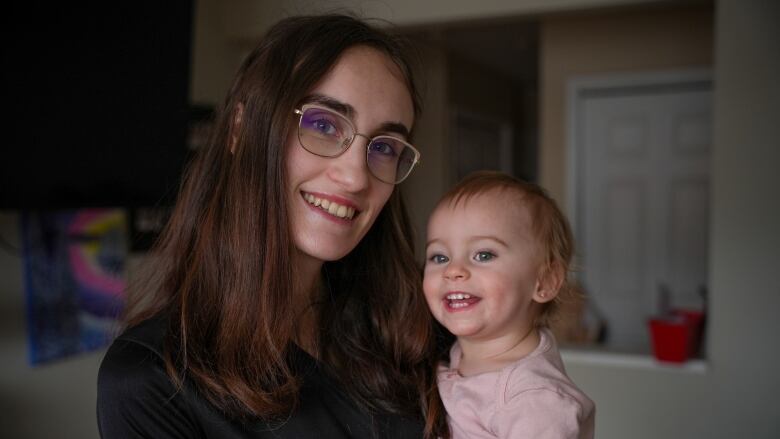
[
  {"x": 491, "y": 238},
  {"x": 473, "y": 239},
  {"x": 432, "y": 241}
]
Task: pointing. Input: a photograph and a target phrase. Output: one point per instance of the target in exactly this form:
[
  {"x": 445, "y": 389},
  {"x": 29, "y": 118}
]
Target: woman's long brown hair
[{"x": 223, "y": 270}]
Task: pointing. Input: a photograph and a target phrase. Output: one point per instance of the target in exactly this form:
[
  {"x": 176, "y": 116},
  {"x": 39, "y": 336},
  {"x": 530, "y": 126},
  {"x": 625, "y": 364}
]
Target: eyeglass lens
[{"x": 328, "y": 134}]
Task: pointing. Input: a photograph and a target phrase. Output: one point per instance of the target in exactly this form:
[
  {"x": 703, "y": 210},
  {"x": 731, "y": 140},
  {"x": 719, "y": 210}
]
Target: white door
[{"x": 642, "y": 203}]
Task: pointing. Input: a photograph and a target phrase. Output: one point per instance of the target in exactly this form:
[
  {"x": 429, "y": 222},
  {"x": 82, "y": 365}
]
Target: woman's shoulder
[
  {"x": 148, "y": 334},
  {"x": 135, "y": 349},
  {"x": 136, "y": 354},
  {"x": 135, "y": 394}
]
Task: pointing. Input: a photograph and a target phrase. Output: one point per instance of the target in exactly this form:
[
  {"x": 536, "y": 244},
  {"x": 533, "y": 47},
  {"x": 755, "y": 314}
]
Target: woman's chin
[{"x": 321, "y": 252}]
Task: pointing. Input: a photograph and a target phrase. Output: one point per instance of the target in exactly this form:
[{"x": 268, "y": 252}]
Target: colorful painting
[{"x": 74, "y": 279}]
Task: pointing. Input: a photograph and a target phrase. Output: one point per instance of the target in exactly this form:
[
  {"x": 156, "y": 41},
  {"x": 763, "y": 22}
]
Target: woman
[{"x": 286, "y": 298}]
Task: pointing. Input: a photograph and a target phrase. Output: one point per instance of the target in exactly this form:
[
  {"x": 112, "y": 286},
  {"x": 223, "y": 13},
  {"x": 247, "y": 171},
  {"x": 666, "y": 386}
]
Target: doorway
[{"x": 639, "y": 174}]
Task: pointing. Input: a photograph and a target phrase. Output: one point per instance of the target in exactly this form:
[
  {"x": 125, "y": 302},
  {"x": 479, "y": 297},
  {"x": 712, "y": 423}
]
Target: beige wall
[
  {"x": 609, "y": 43},
  {"x": 447, "y": 84},
  {"x": 745, "y": 227},
  {"x": 215, "y": 58},
  {"x": 247, "y": 17},
  {"x": 735, "y": 396},
  {"x": 482, "y": 92},
  {"x": 427, "y": 182},
  {"x": 224, "y": 28}
]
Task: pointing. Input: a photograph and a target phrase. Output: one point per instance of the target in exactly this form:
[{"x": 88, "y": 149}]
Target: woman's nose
[
  {"x": 349, "y": 169},
  {"x": 456, "y": 271}
]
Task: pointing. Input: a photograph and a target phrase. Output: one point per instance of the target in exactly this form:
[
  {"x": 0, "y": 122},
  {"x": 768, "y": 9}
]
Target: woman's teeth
[
  {"x": 331, "y": 207},
  {"x": 458, "y": 296}
]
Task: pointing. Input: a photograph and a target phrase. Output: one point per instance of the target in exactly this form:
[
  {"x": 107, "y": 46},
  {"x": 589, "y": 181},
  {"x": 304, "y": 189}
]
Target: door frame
[{"x": 579, "y": 88}]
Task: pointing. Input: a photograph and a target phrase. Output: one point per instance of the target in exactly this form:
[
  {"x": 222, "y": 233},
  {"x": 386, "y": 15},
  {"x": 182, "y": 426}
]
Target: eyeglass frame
[{"x": 299, "y": 112}]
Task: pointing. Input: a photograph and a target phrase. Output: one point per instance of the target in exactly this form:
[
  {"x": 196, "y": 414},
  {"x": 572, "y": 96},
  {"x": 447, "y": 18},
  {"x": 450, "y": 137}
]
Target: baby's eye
[
  {"x": 438, "y": 259},
  {"x": 484, "y": 256}
]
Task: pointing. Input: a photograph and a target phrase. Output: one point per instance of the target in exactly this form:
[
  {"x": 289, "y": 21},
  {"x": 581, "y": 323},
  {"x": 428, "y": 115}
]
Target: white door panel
[{"x": 642, "y": 203}]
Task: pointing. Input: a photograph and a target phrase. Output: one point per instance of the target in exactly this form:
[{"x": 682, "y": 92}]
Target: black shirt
[{"x": 136, "y": 398}]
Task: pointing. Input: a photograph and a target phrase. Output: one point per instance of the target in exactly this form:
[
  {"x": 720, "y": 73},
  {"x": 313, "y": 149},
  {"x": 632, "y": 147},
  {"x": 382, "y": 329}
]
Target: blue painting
[{"x": 75, "y": 283}]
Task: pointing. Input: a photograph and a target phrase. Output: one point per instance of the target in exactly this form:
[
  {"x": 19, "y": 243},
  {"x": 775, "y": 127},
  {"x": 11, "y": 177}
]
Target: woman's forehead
[{"x": 366, "y": 79}]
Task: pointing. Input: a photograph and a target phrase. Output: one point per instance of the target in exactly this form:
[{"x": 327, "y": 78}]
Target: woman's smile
[{"x": 332, "y": 207}]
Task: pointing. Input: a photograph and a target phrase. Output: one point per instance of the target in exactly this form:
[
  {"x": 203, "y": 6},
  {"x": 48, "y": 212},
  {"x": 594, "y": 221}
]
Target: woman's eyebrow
[
  {"x": 333, "y": 104},
  {"x": 349, "y": 111},
  {"x": 395, "y": 127}
]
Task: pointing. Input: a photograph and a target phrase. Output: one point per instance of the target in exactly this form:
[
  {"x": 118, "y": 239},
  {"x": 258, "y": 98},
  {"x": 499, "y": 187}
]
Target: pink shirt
[{"x": 531, "y": 398}]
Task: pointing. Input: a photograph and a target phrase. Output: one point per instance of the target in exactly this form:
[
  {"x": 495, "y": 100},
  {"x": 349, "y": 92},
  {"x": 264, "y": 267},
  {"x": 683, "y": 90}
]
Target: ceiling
[{"x": 508, "y": 48}]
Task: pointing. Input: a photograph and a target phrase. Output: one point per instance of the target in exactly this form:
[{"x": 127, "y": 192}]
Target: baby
[{"x": 497, "y": 260}]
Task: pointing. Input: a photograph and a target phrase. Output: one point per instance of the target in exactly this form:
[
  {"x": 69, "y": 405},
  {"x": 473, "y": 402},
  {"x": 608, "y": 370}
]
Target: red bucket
[{"x": 671, "y": 339}]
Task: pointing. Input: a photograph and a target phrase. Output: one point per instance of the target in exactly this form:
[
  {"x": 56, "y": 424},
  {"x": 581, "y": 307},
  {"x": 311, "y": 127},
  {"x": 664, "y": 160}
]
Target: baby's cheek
[
  {"x": 430, "y": 287},
  {"x": 427, "y": 284}
]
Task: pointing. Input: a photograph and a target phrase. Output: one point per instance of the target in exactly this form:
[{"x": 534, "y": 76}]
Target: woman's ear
[
  {"x": 548, "y": 284},
  {"x": 235, "y": 125}
]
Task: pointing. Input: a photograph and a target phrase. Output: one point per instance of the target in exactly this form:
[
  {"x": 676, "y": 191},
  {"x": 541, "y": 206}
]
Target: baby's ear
[
  {"x": 235, "y": 125},
  {"x": 548, "y": 283}
]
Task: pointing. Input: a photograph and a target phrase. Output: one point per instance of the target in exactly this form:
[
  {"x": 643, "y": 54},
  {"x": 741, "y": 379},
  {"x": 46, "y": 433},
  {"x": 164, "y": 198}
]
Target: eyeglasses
[{"x": 326, "y": 133}]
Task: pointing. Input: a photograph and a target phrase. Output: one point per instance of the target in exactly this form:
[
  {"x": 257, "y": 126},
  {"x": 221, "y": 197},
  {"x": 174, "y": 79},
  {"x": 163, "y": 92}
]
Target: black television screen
[{"x": 96, "y": 102}]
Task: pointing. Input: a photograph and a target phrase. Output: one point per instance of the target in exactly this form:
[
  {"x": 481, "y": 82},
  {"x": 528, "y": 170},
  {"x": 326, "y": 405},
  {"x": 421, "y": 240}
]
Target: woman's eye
[
  {"x": 382, "y": 147},
  {"x": 321, "y": 123},
  {"x": 484, "y": 256},
  {"x": 324, "y": 126},
  {"x": 438, "y": 259}
]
